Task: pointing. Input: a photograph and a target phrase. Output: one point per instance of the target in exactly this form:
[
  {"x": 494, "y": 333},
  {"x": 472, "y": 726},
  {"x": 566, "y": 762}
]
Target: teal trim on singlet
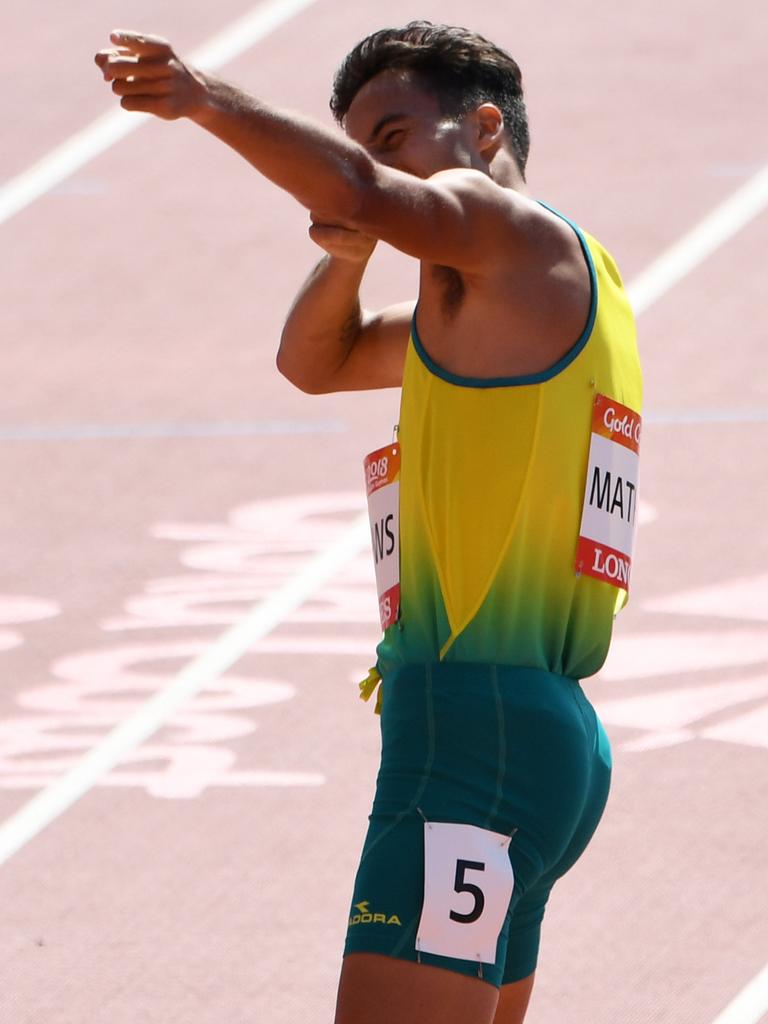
[
  {"x": 530, "y": 378},
  {"x": 492, "y": 484}
]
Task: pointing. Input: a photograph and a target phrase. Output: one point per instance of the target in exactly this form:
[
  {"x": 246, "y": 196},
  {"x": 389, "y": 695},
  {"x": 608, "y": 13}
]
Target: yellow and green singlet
[{"x": 491, "y": 490}]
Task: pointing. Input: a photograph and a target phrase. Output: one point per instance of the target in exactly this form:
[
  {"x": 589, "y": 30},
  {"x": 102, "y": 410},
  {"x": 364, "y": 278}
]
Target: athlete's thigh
[
  {"x": 513, "y": 1001},
  {"x": 377, "y": 989}
]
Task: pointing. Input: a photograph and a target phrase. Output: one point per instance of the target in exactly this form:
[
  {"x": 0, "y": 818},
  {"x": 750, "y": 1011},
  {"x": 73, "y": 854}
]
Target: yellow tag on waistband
[{"x": 368, "y": 685}]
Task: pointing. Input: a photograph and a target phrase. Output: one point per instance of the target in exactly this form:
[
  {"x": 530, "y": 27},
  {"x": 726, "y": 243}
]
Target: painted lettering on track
[
  {"x": 232, "y": 565},
  {"x": 734, "y": 710},
  {"x": 17, "y": 610},
  {"x": 228, "y": 566}
]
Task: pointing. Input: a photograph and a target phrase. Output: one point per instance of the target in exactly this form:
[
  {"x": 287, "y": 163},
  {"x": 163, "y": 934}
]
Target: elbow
[
  {"x": 297, "y": 375},
  {"x": 363, "y": 191},
  {"x": 348, "y": 201}
]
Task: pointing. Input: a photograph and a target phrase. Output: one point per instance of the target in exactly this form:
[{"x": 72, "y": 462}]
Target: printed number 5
[{"x": 460, "y": 885}]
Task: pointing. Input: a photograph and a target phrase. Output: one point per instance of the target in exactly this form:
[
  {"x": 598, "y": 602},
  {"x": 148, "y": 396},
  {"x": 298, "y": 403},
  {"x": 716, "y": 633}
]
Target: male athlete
[{"x": 510, "y": 494}]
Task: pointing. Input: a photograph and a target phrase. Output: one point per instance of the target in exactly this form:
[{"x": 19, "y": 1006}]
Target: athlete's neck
[{"x": 505, "y": 172}]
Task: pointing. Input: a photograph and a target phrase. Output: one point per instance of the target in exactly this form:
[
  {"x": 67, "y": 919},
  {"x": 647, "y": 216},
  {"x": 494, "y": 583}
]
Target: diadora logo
[{"x": 365, "y": 915}]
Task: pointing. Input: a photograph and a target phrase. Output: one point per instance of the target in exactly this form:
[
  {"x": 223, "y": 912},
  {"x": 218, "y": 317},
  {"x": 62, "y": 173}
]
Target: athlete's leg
[
  {"x": 513, "y": 1001},
  {"x": 376, "y": 989},
  {"x": 525, "y": 926},
  {"x": 596, "y": 796}
]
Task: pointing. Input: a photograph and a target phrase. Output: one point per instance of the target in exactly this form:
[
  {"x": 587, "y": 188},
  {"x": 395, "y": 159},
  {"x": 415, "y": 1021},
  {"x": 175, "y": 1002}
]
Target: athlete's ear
[{"x": 490, "y": 126}]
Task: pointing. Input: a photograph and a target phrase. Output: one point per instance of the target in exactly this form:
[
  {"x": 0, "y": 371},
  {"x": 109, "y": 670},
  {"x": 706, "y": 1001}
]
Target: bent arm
[
  {"x": 453, "y": 218},
  {"x": 330, "y": 344}
]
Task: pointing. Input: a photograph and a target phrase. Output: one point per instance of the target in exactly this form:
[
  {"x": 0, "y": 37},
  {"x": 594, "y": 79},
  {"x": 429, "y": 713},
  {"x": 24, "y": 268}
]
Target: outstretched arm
[{"x": 453, "y": 218}]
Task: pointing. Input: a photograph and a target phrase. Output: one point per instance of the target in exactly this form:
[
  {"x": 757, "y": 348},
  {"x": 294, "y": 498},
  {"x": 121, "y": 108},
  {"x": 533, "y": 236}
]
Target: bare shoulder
[
  {"x": 509, "y": 220},
  {"x": 521, "y": 309},
  {"x": 478, "y": 190}
]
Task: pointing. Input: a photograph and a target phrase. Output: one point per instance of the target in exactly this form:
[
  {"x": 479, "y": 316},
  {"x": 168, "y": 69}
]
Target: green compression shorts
[{"x": 514, "y": 752}]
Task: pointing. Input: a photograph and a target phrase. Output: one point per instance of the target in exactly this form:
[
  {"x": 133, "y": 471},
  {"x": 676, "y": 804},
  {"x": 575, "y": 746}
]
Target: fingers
[
  {"x": 103, "y": 56},
  {"x": 329, "y": 233},
  {"x": 142, "y": 44},
  {"x": 343, "y": 243},
  {"x": 148, "y": 105},
  {"x": 149, "y": 77},
  {"x": 338, "y": 234},
  {"x": 141, "y": 87},
  {"x": 121, "y": 66},
  {"x": 132, "y": 53}
]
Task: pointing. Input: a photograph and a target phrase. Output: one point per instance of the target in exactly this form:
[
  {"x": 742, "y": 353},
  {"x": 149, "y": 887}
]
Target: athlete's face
[{"x": 400, "y": 124}]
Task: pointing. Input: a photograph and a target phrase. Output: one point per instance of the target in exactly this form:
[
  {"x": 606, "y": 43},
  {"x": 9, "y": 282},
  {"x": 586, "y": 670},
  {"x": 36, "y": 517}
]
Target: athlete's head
[{"x": 424, "y": 98}]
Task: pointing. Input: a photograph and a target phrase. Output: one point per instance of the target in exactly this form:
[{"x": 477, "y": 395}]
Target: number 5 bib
[{"x": 468, "y": 883}]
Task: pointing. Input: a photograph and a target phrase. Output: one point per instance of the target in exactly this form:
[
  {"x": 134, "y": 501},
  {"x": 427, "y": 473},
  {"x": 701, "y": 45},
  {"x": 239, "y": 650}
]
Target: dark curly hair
[{"x": 458, "y": 66}]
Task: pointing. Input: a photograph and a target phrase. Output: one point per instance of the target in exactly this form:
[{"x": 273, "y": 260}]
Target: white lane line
[
  {"x": 82, "y": 147},
  {"x": 714, "y": 230},
  {"x": 671, "y": 267},
  {"x": 750, "y": 1004},
  {"x": 163, "y": 431},
  {"x": 51, "y": 802},
  {"x": 698, "y": 416},
  {"x": 676, "y": 263}
]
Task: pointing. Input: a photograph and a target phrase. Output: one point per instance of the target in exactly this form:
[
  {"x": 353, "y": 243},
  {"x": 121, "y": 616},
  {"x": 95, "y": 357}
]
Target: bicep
[
  {"x": 377, "y": 355},
  {"x": 458, "y": 218}
]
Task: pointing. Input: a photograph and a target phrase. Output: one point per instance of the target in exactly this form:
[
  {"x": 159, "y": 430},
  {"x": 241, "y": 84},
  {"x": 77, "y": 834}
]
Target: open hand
[{"x": 149, "y": 77}]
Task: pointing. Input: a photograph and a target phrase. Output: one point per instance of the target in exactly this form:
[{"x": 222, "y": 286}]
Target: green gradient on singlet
[{"x": 491, "y": 489}]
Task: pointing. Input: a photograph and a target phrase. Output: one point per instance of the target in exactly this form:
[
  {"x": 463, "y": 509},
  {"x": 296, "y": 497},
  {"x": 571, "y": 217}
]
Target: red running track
[{"x": 161, "y": 479}]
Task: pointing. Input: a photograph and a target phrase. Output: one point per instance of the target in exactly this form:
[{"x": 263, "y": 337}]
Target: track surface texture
[{"x": 161, "y": 480}]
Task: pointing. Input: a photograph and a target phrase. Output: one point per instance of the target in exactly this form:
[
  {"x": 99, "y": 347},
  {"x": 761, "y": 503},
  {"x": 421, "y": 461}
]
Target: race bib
[
  {"x": 382, "y": 483},
  {"x": 468, "y": 883},
  {"x": 609, "y": 514}
]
